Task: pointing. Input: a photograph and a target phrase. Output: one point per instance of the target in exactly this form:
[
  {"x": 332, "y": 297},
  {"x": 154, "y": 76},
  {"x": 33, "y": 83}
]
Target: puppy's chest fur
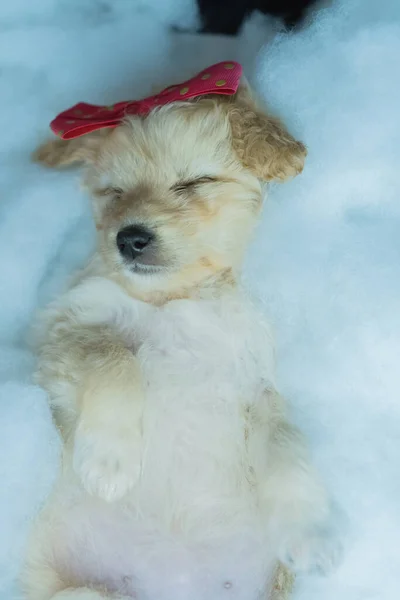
[
  {"x": 204, "y": 365},
  {"x": 199, "y": 346}
]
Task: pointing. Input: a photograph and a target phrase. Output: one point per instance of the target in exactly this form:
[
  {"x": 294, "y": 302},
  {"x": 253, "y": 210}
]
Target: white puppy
[{"x": 181, "y": 477}]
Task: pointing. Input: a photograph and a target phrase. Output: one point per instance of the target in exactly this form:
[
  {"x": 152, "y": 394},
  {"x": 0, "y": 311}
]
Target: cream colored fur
[{"x": 182, "y": 477}]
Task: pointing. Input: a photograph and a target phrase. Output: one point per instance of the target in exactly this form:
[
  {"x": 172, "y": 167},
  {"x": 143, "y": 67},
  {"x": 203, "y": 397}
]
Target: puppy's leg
[
  {"x": 40, "y": 581},
  {"x": 82, "y": 593},
  {"x": 107, "y": 440},
  {"x": 295, "y": 502},
  {"x": 282, "y": 583},
  {"x": 95, "y": 388}
]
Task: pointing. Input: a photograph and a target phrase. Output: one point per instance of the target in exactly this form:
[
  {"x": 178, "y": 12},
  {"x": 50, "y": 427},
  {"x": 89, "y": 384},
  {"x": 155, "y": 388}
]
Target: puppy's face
[
  {"x": 176, "y": 194},
  {"x": 171, "y": 195}
]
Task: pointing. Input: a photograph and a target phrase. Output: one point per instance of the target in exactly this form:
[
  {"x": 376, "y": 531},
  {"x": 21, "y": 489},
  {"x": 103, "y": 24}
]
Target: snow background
[{"x": 326, "y": 258}]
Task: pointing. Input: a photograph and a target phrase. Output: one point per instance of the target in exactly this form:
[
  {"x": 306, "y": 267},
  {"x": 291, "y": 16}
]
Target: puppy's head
[{"x": 176, "y": 194}]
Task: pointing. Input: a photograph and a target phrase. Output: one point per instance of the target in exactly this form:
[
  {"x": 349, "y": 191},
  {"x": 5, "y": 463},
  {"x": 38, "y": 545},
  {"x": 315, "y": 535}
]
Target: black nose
[{"x": 133, "y": 241}]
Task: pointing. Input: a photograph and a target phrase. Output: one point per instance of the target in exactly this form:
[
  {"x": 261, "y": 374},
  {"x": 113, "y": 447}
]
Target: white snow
[{"x": 326, "y": 259}]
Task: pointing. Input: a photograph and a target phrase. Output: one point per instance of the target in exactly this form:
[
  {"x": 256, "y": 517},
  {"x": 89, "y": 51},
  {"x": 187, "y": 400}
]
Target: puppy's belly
[
  {"x": 109, "y": 545},
  {"x": 189, "y": 529}
]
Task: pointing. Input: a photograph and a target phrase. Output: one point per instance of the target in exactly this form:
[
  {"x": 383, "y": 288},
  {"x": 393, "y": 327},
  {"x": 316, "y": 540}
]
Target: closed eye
[
  {"x": 111, "y": 192},
  {"x": 183, "y": 186}
]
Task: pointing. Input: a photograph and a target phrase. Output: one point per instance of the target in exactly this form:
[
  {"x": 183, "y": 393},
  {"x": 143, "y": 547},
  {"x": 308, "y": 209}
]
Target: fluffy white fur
[
  {"x": 182, "y": 476},
  {"x": 194, "y": 521}
]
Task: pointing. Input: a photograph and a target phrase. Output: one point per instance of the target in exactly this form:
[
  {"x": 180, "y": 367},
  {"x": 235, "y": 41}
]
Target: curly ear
[
  {"x": 58, "y": 153},
  {"x": 261, "y": 142}
]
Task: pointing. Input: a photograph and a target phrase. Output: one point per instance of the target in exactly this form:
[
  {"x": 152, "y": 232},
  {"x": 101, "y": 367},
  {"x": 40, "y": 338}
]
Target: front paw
[
  {"x": 318, "y": 551},
  {"x": 107, "y": 460}
]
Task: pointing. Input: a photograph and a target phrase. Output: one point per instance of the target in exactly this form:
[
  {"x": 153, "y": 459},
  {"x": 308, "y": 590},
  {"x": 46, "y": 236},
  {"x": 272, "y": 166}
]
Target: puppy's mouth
[{"x": 144, "y": 269}]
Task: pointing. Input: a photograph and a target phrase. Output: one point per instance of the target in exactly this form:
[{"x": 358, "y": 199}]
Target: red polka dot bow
[{"x": 222, "y": 78}]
